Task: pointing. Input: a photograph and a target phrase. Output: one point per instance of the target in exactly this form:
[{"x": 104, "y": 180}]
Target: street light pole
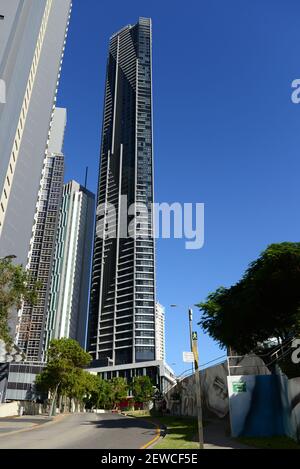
[
  {"x": 190, "y": 313},
  {"x": 194, "y": 349},
  {"x": 191, "y": 332},
  {"x": 198, "y": 389}
]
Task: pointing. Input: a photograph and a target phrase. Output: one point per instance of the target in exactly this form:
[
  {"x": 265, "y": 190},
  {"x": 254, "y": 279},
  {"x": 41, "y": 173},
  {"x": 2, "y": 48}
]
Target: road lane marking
[{"x": 155, "y": 439}]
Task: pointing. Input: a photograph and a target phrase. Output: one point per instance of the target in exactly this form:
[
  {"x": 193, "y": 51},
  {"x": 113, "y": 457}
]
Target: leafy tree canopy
[
  {"x": 16, "y": 286},
  {"x": 142, "y": 389},
  {"x": 265, "y": 303},
  {"x": 64, "y": 370},
  {"x": 99, "y": 393},
  {"x": 67, "y": 352},
  {"x": 119, "y": 390}
]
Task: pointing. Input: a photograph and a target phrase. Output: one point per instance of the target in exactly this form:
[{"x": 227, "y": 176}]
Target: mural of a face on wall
[
  {"x": 214, "y": 389},
  {"x": 214, "y": 381},
  {"x": 214, "y": 386},
  {"x": 214, "y": 393},
  {"x": 189, "y": 402}
]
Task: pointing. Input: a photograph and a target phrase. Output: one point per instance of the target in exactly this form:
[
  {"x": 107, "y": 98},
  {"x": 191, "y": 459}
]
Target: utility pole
[
  {"x": 191, "y": 331},
  {"x": 198, "y": 388},
  {"x": 194, "y": 349},
  {"x": 86, "y": 177}
]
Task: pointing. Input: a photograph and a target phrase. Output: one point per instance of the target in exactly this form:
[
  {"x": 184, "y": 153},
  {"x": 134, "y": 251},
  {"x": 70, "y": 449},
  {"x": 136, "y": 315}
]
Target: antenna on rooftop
[{"x": 86, "y": 177}]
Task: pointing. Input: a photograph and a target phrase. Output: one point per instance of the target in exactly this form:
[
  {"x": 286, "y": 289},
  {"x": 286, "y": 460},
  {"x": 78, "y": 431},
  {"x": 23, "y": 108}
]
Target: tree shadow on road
[{"x": 121, "y": 422}]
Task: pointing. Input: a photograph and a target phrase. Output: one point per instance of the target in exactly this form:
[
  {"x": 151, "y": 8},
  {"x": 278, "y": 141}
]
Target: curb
[
  {"x": 35, "y": 426},
  {"x": 159, "y": 429},
  {"x": 155, "y": 439}
]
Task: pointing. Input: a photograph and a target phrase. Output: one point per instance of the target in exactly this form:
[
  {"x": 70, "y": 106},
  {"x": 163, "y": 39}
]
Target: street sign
[
  {"x": 195, "y": 349},
  {"x": 188, "y": 357}
]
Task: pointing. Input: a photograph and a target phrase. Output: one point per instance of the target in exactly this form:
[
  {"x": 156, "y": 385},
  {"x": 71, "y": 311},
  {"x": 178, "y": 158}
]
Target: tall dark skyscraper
[{"x": 122, "y": 309}]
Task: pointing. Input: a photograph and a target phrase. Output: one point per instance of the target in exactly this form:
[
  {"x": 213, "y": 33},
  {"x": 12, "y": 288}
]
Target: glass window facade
[{"x": 123, "y": 279}]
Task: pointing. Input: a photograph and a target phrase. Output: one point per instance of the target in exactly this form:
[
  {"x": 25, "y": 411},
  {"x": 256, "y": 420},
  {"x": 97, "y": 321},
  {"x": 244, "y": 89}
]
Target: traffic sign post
[
  {"x": 198, "y": 388},
  {"x": 188, "y": 357},
  {"x": 191, "y": 331},
  {"x": 194, "y": 357}
]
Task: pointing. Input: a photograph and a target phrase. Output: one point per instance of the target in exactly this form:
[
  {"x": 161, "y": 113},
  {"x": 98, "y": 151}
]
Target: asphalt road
[{"x": 83, "y": 431}]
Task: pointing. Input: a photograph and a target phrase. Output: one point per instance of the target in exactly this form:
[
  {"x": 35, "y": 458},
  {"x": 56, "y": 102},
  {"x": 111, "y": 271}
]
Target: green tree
[
  {"x": 119, "y": 390},
  {"x": 265, "y": 303},
  {"x": 79, "y": 386},
  {"x": 142, "y": 389},
  {"x": 99, "y": 395},
  {"x": 64, "y": 374},
  {"x": 16, "y": 286},
  {"x": 91, "y": 386},
  {"x": 67, "y": 352}
]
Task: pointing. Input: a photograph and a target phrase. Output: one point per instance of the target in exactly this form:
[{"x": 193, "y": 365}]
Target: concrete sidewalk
[
  {"x": 9, "y": 425},
  {"x": 217, "y": 436}
]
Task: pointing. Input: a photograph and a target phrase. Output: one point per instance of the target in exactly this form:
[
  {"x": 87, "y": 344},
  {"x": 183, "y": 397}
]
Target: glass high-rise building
[
  {"x": 32, "y": 43},
  {"x": 160, "y": 332},
  {"x": 32, "y": 320},
  {"x": 122, "y": 307},
  {"x": 70, "y": 282}
]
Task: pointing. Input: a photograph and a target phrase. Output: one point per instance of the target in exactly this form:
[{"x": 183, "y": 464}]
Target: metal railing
[{"x": 268, "y": 359}]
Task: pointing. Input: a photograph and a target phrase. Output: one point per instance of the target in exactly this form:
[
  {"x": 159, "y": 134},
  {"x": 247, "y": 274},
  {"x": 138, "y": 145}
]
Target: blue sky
[{"x": 226, "y": 132}]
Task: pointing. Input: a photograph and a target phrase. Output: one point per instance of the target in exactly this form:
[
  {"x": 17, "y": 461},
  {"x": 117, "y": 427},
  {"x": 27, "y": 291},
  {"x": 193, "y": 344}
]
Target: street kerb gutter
[
  {"x": 35, "y": 426},
  {"x": 159, "y": 429}
]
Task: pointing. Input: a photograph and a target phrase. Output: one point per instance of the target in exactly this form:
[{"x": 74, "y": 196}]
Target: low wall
[
  {"x": 294, "y": 401},
  {"x": 16, "y": 408},
  {"x": 9, "y": 410},
  {"x": 256, "y": 406},
  {"x": 31, "y": 408},
  {"x": 181, "y": 399},
  {"x": 263, "y": 406}
]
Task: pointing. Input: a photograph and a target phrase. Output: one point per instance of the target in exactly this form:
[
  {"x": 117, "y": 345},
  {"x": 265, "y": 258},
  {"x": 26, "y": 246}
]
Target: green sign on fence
[{"x": 239, "y": 386}]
